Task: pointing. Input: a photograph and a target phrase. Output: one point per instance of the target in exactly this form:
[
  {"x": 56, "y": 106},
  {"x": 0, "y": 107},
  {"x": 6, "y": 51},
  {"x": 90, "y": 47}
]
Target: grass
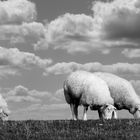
[{"x": 70, "y": 130}]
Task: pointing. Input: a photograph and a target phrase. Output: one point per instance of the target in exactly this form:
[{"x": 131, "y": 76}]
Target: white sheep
[
  {"x": 83, "y": 88},
  {"x": 122, "y": 92},
  {"x": 4, "y": 111}
]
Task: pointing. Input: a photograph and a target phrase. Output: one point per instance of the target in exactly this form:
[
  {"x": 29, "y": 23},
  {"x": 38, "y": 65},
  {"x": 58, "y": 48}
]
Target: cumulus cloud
[
  {"x": 22, "y": 98},
  {"x": 21, "y": 93},
  {"x": 120, "y": 19},
  {"x": 119, "y": 22},
  {"x": 70, "y": 32},
  {"x": 113, "y": 24},
  {"x": 17, "y": 22},
  {"x": 118, "y": 68},
  {"x": 14, "y": 57},
  {"x": 53, "y": 104},
  {"x": 74, "y": 33},
  {"x": 17, "y": 11},
  {"x": 23, "y": 33},
  {"x": 131, "y": 53}
]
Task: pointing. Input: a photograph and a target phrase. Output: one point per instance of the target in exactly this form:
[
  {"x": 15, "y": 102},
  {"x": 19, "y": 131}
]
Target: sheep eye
[{"x": 108, "y": 109}]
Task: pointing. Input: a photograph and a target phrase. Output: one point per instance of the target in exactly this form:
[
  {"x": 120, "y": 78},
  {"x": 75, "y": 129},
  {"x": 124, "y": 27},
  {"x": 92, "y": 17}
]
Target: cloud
[
  {"x": 17, "y": 22},
  {"x": 8, "y": 71},
  {"x": 70, "y": 32},
  {"x": 21, "y": 93},
  {"x": 17, "y": 11},
  {"x": 119, "y": 22},
  {"x": 74, "y": 33},
  {"x": 131, "y": 53},
  {"x": 120, "y": 19},
  {"x": 14, "y": 57},
  {"x": 118, "y": 68},
  {"x": 58, "y": 97},
  {"x": 24, "y": 33},
  {"x": 113, "y": 24}
]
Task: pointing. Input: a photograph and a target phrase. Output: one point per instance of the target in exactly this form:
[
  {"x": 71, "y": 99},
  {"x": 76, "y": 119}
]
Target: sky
[{"x": 43, "y": 41}]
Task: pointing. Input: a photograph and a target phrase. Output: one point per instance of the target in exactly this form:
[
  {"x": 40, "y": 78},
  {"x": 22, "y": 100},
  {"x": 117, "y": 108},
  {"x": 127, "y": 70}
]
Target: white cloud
[
  {"x": 119, "y": 22},
  {"x": 14, "y": 57},
  {"x": 21, "y": 93},
  {"x": 22, "y": 98},
  {"x": 131, "y": 53},
  {"x": 23, "y": 33},
  {"x": 70, "y": 32},
  {"x": 8, "y": 71},
  {"x": 17, "y": 11},
  {"x": 113, "y": 24},
  {"x": 17, "y": 22},
  {"x": 119, "y": 19},
  {"x": 118, "y": 68}
]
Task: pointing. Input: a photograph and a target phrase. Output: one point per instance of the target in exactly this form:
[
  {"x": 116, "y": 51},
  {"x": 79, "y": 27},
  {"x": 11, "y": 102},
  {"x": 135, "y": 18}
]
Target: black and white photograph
[{"x": 69, "y": 69}]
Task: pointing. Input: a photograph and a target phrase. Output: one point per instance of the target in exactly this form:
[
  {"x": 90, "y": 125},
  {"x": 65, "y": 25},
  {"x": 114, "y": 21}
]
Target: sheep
[
  {"x": 122, "y": 92},
  {"x": 4, "y": 111},
  {"x": 83, "y": 88}
]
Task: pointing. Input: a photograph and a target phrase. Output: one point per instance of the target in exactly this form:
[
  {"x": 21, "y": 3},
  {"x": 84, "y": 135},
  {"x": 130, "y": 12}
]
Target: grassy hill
[{"x": 70, "y": 130}]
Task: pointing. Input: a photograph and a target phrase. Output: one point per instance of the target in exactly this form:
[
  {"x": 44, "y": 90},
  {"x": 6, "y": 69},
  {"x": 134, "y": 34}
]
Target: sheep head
[
  {"x": 137, "y": 112},
  {"x": 108, "y": 111}
]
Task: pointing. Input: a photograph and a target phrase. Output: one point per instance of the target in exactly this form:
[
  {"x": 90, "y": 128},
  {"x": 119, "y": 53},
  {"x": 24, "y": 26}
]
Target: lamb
[
  {"x": 122, "y": 92},
  {"x": 84, "y": 88},
  {"x": 4, "y": 111}
]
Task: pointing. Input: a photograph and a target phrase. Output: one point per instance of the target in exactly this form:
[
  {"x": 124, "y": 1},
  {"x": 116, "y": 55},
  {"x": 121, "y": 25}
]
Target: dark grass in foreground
[{"x": 70, "y": 130}]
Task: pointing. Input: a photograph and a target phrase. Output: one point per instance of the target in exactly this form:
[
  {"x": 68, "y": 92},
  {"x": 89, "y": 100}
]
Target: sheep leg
[
  {"x": 100, "y": 114},
  {"x": 72, "y": 106},
  {"x": 85, "y": 113},
  {"x": 76, "y": 111},
  {"x": 114, "y": 115}
]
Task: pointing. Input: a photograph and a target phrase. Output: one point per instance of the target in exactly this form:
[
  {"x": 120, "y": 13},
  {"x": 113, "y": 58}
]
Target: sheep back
[
  {"x": 82, "y": 87},
  {"x": 121, "y": 90}
]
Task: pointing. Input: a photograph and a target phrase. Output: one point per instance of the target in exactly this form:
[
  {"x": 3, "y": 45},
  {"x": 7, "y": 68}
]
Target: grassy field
[{"x": 70, "y": 130}]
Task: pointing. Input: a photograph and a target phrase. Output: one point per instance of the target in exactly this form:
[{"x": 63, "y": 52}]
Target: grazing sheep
[
  {"x": 83, "y": 88},
  {"x": 4, "y": 111},
  {"x": 122, "y": 92}
]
